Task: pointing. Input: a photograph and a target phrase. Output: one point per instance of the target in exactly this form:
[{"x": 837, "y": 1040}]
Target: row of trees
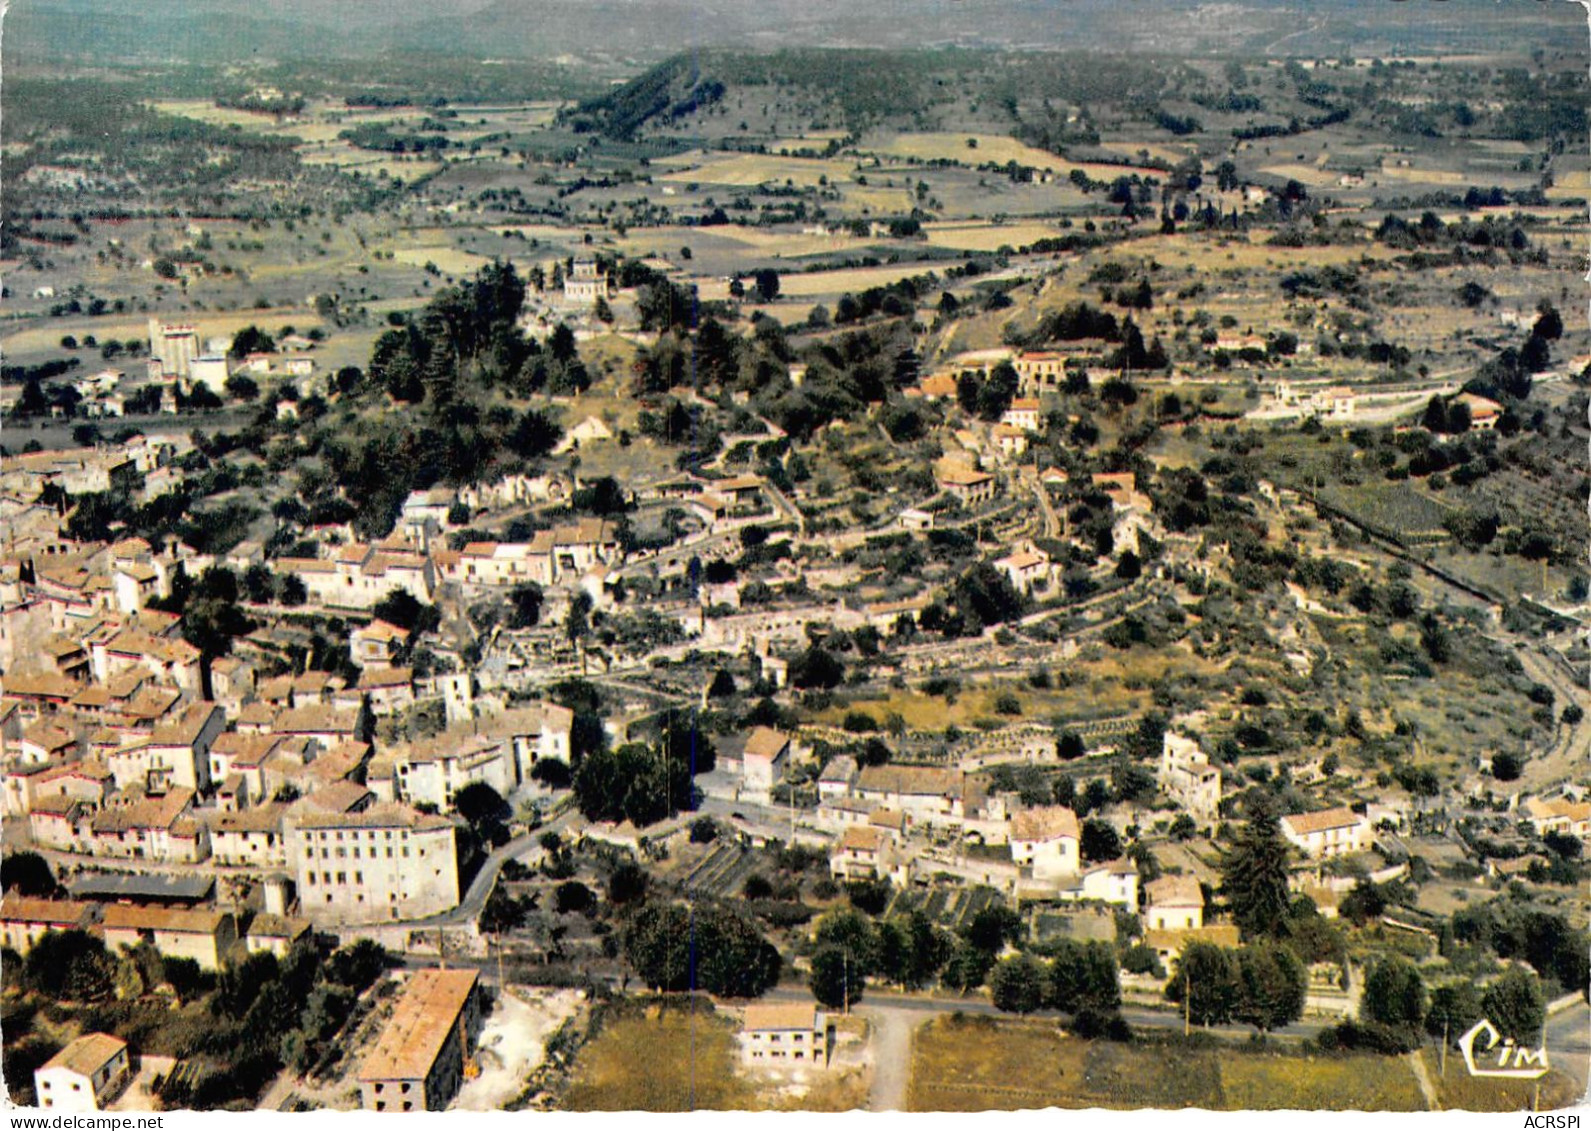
[
  {"x": 1263, "y": 984},
  {"x": 1080, "y": 978}
]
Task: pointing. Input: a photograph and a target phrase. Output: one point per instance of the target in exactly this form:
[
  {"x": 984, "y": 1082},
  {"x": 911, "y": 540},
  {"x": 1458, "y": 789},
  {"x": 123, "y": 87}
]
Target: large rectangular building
[{"x": 418, "y": 1063}]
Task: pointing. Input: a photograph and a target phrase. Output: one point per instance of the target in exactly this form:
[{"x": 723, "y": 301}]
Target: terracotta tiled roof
[{"x": 421, "y": 1024}]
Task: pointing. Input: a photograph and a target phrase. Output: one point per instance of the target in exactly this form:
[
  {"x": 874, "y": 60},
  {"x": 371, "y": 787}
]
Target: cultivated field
[{"x": 744, "y": 170}]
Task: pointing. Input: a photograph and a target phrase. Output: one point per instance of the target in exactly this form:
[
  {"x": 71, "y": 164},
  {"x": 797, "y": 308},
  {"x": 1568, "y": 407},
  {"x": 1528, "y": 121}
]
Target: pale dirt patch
[{"x": 513, "y": 1043}]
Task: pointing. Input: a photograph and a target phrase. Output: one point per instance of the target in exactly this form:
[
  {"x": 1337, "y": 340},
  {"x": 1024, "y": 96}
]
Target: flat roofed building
[
  {"x": 418, "y": 1061},
  {"x": 84, "y": 1075}
]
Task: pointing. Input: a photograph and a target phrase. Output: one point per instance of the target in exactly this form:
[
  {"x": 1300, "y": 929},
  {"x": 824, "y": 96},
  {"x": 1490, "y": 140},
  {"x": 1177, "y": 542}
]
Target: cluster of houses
[
  {"x": 121, "y": 744},
  {"x": 178, "y": 363}
]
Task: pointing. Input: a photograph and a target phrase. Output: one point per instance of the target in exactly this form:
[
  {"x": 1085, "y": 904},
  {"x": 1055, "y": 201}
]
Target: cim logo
[{"x": 1512, "y": 1062}]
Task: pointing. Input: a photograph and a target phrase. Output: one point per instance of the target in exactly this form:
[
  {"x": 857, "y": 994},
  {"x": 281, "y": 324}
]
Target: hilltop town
[{"x": 925, "y": 592}]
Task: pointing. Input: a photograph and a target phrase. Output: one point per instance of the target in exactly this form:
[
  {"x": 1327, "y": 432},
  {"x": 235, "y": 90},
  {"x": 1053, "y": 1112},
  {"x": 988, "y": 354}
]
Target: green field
[{"x": 978, "y": 1064}]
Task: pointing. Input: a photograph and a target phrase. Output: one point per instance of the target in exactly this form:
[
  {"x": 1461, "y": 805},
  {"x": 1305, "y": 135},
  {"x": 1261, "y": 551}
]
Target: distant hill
[{"x": 220, "y": 31}]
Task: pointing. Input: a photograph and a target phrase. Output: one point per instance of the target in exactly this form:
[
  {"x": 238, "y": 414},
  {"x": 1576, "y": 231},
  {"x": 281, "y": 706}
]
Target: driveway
[{"x": 892, "y": 1029}]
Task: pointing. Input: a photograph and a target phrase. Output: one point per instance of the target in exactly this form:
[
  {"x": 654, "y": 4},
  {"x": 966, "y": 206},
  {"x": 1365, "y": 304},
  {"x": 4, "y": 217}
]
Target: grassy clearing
[
  {"x": 740, "y": 240},
  {"x": 975, "y": 1064},
  {"x": 688, "y": 1059},
  {"x": 1391, "y": 506},
  {"x": 1459, "y": 1090},
  {"x": 877, "y": 199},
  {"x": 1360, "y": 1083},
  {"x": 979, "y": 1064},
  {"x": 205, "y": 110},
  {"x": 839, "y": 1089},
  {"x": 1311, "y": 175}
]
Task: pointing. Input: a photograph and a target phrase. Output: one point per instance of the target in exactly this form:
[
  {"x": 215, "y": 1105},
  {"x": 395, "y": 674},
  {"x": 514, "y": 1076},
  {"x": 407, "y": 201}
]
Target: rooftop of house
[
  {"x": 1024, "y": 559},
  {"x": 958, "y": 476},
  {"x": 924, "y": 781},
  {"x": 1174, "y": 891},
  {"x": 379, "y": 629},
  {"x": 256, "y": 819},
  {"x": 119, "y": 917},
  {"x": 388, "y": 816},
  {"x": 781, "y": 1017},
  {"x": 337, "y": 797},
  {"x": 863, "y": 838},
  {"x": 1219, "y": 934},
  {"x": 1046, "y": 822},
  {"x": 185, "y": 729},
  {"x": 315, "y": 718},
  {"x": 765, "y": 742},
  {"x": 26, "y": 909},
  {"x": 268, "y": 926},
  {"x": 372, "y": 679},
  {"x": 1303, "y": 824},
  {"x": 841, "y": 768}
]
